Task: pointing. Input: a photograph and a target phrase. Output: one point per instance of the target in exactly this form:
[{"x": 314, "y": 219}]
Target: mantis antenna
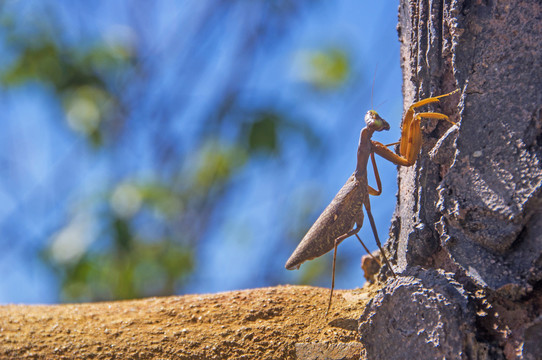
[
  {"x": 373, "y": 86},
  {"x": 372, "y": 90}
]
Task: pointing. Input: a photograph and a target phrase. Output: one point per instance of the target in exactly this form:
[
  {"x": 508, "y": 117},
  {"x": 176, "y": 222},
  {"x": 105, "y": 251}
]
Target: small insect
[{"x": 337, "y": 221}]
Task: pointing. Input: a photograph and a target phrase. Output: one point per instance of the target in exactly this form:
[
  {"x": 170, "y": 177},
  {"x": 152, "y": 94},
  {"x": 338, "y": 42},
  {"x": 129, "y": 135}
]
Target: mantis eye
[{"x": 374, "y": 117}]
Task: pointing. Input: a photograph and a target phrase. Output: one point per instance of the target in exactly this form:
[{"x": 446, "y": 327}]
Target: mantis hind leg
[
  {"x": 368, "y": 252},
  {"x": 337, "y": 242}
]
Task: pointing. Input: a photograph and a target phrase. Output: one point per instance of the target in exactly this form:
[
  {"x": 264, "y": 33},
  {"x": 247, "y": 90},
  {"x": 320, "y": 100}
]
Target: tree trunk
[{"x": 467, "y": 230}]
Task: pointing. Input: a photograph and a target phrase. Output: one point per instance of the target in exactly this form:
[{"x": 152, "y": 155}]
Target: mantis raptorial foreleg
[{"x": 411, "y": 137}]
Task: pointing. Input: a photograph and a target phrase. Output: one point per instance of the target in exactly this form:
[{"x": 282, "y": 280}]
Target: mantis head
[{"x": 375, "y": 122}]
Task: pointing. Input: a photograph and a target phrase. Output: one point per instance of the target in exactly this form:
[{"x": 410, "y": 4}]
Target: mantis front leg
[
  {"x": 377, "y": 177},
  {"x": 411, "y": 137}
]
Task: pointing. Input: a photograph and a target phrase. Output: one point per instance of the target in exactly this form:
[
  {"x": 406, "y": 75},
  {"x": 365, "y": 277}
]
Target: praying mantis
[{"x": 337, "y": 221}]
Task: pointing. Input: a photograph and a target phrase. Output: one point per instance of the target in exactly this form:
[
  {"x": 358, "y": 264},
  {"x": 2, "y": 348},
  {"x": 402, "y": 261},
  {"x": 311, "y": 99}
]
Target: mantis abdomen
[{"x": 337, "y": 219}]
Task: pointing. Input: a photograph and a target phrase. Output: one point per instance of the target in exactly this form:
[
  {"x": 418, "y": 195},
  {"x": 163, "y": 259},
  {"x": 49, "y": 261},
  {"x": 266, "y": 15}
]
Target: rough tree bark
[
  {"x": 467, "y": 231},
  {"x": 466, "y": 235}
]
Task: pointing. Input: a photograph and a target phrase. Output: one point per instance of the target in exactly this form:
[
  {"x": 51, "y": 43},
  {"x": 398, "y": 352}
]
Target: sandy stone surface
[{"x": 285, "y": 322}]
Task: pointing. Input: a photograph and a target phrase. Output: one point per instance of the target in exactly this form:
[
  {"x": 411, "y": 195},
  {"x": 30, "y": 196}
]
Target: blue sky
[{"x": 233, "y": 256}]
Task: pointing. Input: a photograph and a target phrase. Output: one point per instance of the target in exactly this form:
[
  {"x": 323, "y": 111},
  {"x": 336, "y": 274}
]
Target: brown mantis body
[{"x": 337, "y": 221}]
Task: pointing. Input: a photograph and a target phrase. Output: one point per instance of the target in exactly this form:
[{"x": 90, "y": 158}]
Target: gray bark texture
[{"x": 467, "y": 230}]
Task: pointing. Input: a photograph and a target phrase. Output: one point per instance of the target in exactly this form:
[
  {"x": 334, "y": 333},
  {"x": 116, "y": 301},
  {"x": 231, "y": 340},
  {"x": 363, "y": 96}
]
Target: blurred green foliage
[
  {"x": 77, "y": 76},
  {"x": 326, "y": 69},
  {"x": 263, "y": 133}
]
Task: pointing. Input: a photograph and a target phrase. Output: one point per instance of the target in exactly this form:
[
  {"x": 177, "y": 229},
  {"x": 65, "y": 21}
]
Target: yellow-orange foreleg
[
  {"x": 411, "y": 137},
  {"x": 414, "y": 140},
  {"x": 409, "y": 129}
]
